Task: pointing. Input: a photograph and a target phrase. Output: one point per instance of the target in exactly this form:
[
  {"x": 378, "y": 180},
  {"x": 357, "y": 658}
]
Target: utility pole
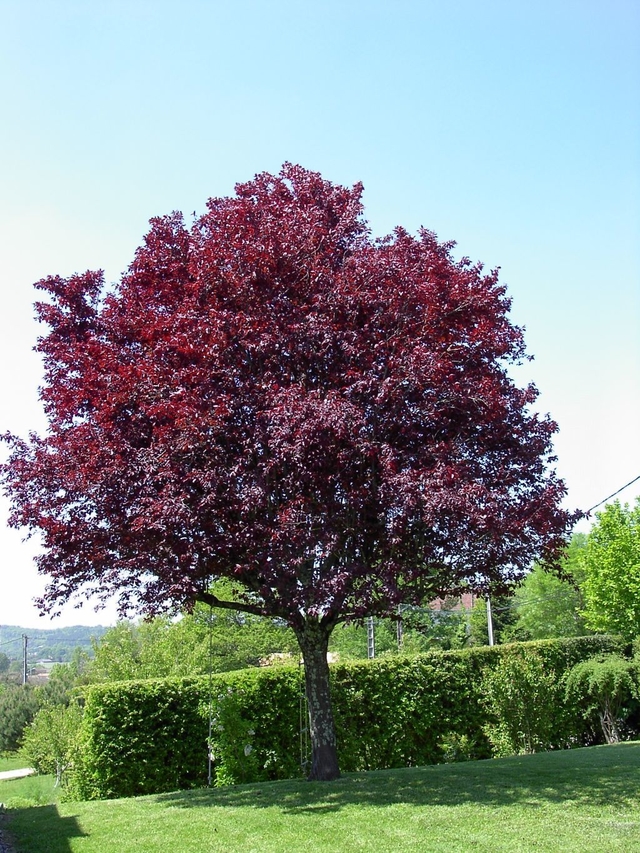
[
  {"x": 371, "y": 640},
  {"x": 489, "y": 622},
  {"x": 24, "y": 658},
  {"x": 399, "y": 628}
]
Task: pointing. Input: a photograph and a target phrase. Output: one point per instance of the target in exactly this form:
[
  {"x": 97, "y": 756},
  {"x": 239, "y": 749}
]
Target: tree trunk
[
  {"x": 609, "y": 724},
  {"x": 314, "y": 643}
]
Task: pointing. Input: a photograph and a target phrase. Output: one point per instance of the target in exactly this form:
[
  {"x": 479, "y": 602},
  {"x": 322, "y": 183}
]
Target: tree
[
  {"x": 274, "y": 397},
  {"x": 611, "y": 566},
  {"x": 161, "y": 647},
  {"x": 604, "y": 686},
  {"x": 548, "y": 606},
  {"x": 50, "y": 740},
  {"x": 425, "y": 628},
  {"x": 18, "y": 705},
  {"x": 503, "y": 617}
]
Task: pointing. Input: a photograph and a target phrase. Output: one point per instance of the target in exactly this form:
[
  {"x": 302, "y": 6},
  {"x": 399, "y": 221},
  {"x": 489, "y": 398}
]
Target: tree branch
[{"x": 213, "y": 601}]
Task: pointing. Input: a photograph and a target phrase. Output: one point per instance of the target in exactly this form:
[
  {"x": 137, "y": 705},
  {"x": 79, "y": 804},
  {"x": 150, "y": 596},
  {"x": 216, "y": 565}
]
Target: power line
[
  {"x": 52, "y": 641},
  {"x": 15, "y": 640},
  {"x": 595, "y": 506}
]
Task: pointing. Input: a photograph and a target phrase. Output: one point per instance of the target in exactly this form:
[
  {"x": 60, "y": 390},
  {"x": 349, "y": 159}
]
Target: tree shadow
[
  {"x": 596, "y": 776},
  {"x": 41, "y": 828}
]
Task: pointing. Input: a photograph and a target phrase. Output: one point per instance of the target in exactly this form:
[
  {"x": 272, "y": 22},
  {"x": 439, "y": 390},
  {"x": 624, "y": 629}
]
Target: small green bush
[
  {"x": 603, "y": 687},
  {"x": 50, "y": 741},
  {"x": 522, "y": 696}
]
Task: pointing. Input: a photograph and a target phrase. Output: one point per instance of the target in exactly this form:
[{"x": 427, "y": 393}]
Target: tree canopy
[
  {"x": 274, "y": 397},
  {"x": 195, "y": 644},
  {"x": 548, "y": 606},
  {"x": 611, "y": 567}
]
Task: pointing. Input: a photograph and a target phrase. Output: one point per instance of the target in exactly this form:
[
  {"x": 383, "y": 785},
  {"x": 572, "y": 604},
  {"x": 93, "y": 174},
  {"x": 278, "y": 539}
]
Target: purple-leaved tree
[{"x": 274, "y": 397}]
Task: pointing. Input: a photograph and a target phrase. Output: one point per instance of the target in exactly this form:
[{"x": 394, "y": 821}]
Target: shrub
[
  {"x": 603, "y": 687},
  {"x": 151, "y": 736},
  {"x": 394, "y": 712},
  {"x": 256, "y": 725},
  {"x": 522, "y": 697},
  {"x": 50, "y": 741},
  {"x": 140, "y": 737}
]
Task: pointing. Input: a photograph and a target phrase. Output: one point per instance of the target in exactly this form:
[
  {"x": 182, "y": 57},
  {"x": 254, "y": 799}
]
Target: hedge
[{"x": 141, "y": 737}]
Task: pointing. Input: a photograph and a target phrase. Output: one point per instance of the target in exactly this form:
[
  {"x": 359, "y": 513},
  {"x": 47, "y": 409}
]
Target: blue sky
[{"x": 512, "y": 128}]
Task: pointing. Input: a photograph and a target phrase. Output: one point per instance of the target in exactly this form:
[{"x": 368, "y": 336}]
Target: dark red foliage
[{"x": 274, "y": 397}]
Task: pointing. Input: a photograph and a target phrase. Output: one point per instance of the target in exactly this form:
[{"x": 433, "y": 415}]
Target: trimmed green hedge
[
  {"x": 142, "y": 737},
  {"x": 399, "y": 712},
  {"x": 402, "y": 712}
]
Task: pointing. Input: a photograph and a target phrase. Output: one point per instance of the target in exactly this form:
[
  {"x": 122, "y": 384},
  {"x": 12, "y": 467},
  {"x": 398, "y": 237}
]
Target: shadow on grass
[
  {"x": 41, "y": 828},
  {"x": 595, "y": 776}
]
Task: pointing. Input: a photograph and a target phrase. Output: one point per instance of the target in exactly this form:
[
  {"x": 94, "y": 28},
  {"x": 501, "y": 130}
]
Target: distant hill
[{"x": 56, "y": 644}]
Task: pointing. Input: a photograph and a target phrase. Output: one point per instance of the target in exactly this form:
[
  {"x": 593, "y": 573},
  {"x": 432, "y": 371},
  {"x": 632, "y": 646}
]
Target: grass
[
  {"x": 12, "y": 761},
  {"x": 583, "y": 800},
  {"x": 29, "y": 791}
]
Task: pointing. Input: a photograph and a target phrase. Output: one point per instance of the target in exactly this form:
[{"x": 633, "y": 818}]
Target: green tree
[
  {"x": 63, "y": 678},
  {"x": 425, "y": 628},
  {"x": 503, "y": 617},
  {"x": 50, "y": 741},
  {"x": 604, "y": 687},
  {"x": 422, "y": 629},
  {"x": 224, "y": 640},
  {"x": 611, "y": 565},
  {"x": 116, "y": 654},
  {"x": 5, "y": 663},
  {"x": 18, "y": 706},
  {"x": 236, "y": 640},
  {"x": 547, "y": 606},
  {"x": 349, "y": 641}
]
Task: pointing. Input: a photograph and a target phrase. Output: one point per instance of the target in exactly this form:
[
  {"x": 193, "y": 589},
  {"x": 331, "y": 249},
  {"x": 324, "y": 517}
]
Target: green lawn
[
  {"x": 11, "y": 761},
  {"x": 581, "y": 801},
  {"x": 30, "y": 791}
]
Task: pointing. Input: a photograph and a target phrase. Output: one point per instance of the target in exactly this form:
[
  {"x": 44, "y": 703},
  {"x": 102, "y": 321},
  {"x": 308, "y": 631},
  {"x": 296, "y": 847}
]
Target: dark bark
[
  {"x": 314, "y": 643},
  {"x": 213, "y": 601}
]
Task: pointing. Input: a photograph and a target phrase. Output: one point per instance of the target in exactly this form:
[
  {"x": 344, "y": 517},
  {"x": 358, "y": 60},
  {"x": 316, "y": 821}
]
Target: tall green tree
[
  {"x": 548, "y": 606},
  {"x": 611, "y": 564},
  {"x": 18, "y": 705}
]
